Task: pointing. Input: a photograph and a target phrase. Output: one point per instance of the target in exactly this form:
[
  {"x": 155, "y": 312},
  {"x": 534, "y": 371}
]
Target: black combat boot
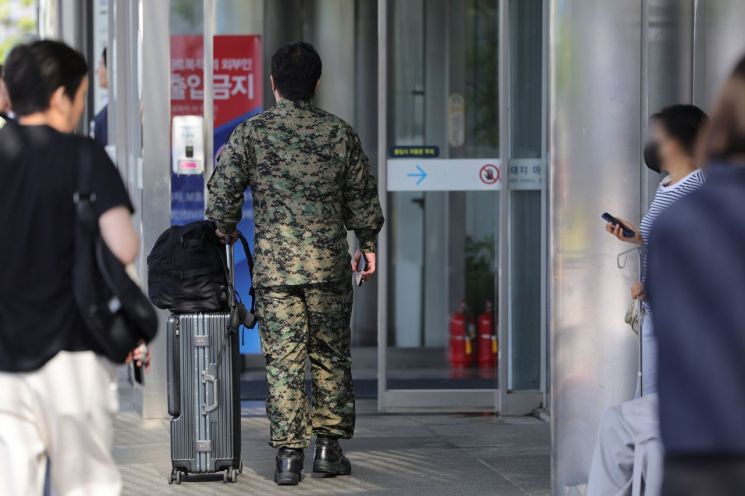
[
  {"x": 329, "y": 460},
  {"x": 289, "y": 466}
]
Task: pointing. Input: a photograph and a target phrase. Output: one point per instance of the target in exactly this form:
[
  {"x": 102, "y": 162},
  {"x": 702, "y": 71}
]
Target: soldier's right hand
[
  {"x": 229, "y": 238},
  {"x": 370, "y": 265}
]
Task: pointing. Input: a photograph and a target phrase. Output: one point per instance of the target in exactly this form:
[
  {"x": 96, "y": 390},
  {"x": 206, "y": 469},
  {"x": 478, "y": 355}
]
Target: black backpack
[
  {"x": 112, "y": 305},
  {"x": 187, "y": 269}
]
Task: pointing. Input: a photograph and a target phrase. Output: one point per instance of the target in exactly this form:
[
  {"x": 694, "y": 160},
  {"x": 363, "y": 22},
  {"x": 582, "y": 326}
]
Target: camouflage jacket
[{"x": 310, "y": 182}]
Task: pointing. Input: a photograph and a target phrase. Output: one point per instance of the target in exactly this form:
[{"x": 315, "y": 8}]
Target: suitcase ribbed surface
[{"x": 203, "y": 434}]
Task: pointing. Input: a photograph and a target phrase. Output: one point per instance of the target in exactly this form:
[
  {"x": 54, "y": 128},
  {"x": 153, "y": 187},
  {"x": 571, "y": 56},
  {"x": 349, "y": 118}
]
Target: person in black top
[
  {"x": 699, "y": 314},
  {"x": 57, "y": 395},
  {"x": 100, "y": 128}
]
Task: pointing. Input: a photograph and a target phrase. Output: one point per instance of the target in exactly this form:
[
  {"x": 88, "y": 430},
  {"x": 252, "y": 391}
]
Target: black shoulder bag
[{"x": 115, "y": 311}]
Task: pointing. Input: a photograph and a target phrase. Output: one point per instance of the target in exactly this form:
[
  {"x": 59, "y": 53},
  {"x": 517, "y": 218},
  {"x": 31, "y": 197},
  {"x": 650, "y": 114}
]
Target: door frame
[{"x": 500, "y": 399}]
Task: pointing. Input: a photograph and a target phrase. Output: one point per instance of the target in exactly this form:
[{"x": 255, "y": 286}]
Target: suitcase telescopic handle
[
  {"x": 210, "y": 407},
  {"x": 231, "y": 264}
]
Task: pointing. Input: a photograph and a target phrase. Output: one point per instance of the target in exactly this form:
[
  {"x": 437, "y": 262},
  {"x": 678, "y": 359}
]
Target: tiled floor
[{"x": 428, "y": 455}]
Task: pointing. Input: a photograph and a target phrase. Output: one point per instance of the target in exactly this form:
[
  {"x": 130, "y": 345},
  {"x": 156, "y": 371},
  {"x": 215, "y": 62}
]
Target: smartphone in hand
[
  {"x": 627, "y": 232},
  {"x": 358, "y": 273},
  {"x": 138, "y": 373}
]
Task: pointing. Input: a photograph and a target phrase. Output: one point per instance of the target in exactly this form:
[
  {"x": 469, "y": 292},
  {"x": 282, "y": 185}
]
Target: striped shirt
[{"x": 665, "y": 196}]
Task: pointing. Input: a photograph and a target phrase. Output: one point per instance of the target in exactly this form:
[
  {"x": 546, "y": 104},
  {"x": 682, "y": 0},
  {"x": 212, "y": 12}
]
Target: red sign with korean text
[{"x": 237, "y": 77}]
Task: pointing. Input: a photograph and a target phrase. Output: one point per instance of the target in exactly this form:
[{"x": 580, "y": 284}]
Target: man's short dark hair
[
  {"x": 683, "y": 123},
  {"x": 103, "y": 56},
  {"x": 34, "y": 71},
  {"x": 296, "y": 69}
]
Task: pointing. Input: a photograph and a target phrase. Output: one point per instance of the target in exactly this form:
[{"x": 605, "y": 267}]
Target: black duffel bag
[
  {"x": 187, "y": 270},
  {"x": 114, "y": 309}
]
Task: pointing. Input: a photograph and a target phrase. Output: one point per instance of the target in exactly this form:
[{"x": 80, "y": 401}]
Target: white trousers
[
  {"x": 628, "y": 456},
  {"x": 649, "y": 357},
  {"x": 63, "y": 411}
]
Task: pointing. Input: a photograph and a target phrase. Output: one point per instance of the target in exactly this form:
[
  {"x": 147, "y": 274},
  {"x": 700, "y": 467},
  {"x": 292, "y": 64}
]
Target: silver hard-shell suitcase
[{"x": 204, "y": 395}]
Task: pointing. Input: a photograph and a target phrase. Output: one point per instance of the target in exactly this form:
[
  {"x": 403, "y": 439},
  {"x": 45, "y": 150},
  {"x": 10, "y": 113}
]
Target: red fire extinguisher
[
  {"x": 461, "y": 349},
  {"x": 487, "y": 339}
]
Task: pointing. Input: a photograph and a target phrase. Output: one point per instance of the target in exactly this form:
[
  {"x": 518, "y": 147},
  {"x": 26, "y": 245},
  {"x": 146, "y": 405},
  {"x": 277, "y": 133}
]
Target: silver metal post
[
  {"x": 208, "y": 110},
  {"x": 383, "y": 192},
  {"x": 504, "y": 202},
  {"x": 156, "y": 196},
  {"x": 545, "y": 262}
]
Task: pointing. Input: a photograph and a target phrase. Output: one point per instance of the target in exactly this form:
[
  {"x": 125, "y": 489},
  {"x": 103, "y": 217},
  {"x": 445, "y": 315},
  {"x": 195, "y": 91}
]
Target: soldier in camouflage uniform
[{"x": 311, "y": 183}]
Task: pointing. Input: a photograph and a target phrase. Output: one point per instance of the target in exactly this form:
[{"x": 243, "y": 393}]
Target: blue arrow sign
[{"x": 420, "y": 174}]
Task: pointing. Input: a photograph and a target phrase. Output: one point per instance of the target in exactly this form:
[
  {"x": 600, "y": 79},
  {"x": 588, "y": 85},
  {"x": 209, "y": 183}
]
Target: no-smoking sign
[{"x": 489, "y": 174}]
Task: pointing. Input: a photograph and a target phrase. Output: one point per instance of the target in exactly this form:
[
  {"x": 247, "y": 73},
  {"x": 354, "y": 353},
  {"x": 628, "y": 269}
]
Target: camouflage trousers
[{"x": 307, "y": 321}]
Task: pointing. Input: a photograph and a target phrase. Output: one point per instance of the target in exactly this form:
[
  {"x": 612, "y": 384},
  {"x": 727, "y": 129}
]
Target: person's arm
[
  {"x": 119, "y": 234},
  {"x": 229, "y": 180},
  {"x": 362, "y": 211},
  {"x": 113, "y": 206}
]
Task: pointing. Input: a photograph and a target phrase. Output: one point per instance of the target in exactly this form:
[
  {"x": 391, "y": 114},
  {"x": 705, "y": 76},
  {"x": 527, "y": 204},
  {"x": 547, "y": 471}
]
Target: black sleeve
[{"x": 107, "y": 184}]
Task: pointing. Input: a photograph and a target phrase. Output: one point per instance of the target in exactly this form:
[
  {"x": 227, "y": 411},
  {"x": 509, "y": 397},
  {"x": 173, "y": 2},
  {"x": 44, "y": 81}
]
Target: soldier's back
[{"x": 300, "y": 155}]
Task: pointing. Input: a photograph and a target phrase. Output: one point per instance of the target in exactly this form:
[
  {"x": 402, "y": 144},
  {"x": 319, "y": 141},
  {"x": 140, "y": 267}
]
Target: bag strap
[
  {"x": 233, "y": 329},
  {"x": 84, "y": 197},
  {"x": 85, "y": 175},
  {"x": 231, "y": 289},
  {"x": 250, "y": 260}
]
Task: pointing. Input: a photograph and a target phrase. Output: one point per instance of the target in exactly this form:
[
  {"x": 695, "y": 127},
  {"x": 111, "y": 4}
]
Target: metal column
[
  {"x": 365, "y": 121},
  {"x": 503, "y": 260},
  {"x": 208, "y": 108},
  {"x": 594, "y": 116},
  {"x": 156, "y": 197},
  {"x": 124, "y": 104},
  {"x": 382, "y": 256}
]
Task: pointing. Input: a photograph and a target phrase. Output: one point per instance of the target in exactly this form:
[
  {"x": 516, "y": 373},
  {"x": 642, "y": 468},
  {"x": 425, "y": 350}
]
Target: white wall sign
[
  {"x": 480, "y": 174},
  {"x": 188, "y": 144},
  {"x": 444, "y": 174}
]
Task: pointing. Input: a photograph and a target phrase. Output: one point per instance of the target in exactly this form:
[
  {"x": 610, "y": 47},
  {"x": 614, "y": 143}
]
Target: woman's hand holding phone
[{"x": 616, "y": 229}]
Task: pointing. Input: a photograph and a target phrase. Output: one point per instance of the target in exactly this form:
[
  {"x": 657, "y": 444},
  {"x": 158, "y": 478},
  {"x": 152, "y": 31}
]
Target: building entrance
[{"x": 448, "y": 97}]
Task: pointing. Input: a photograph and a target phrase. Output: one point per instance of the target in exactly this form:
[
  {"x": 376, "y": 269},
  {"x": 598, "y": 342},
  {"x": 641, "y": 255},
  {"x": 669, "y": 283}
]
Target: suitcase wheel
[
  {"x": 230, "y": 475},
  {"x": 175, "y": 477}
]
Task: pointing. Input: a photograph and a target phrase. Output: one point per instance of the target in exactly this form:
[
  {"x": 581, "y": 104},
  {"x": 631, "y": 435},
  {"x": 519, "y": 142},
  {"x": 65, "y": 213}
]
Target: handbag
[
  {"x": 635, "y": 315},
  {"x": 635, "y": 311},
  {"x": 114, "y": 309}
]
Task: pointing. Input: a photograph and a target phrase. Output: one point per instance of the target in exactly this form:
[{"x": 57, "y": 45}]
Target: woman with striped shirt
[
  {"x": 628, "y": 447},
  {"x": 675, "y": 130}
]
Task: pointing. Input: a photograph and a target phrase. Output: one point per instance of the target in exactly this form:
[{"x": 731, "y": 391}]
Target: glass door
[
  {"x": 462, "y": 179},
  {"x": 443, "y": 182}
]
